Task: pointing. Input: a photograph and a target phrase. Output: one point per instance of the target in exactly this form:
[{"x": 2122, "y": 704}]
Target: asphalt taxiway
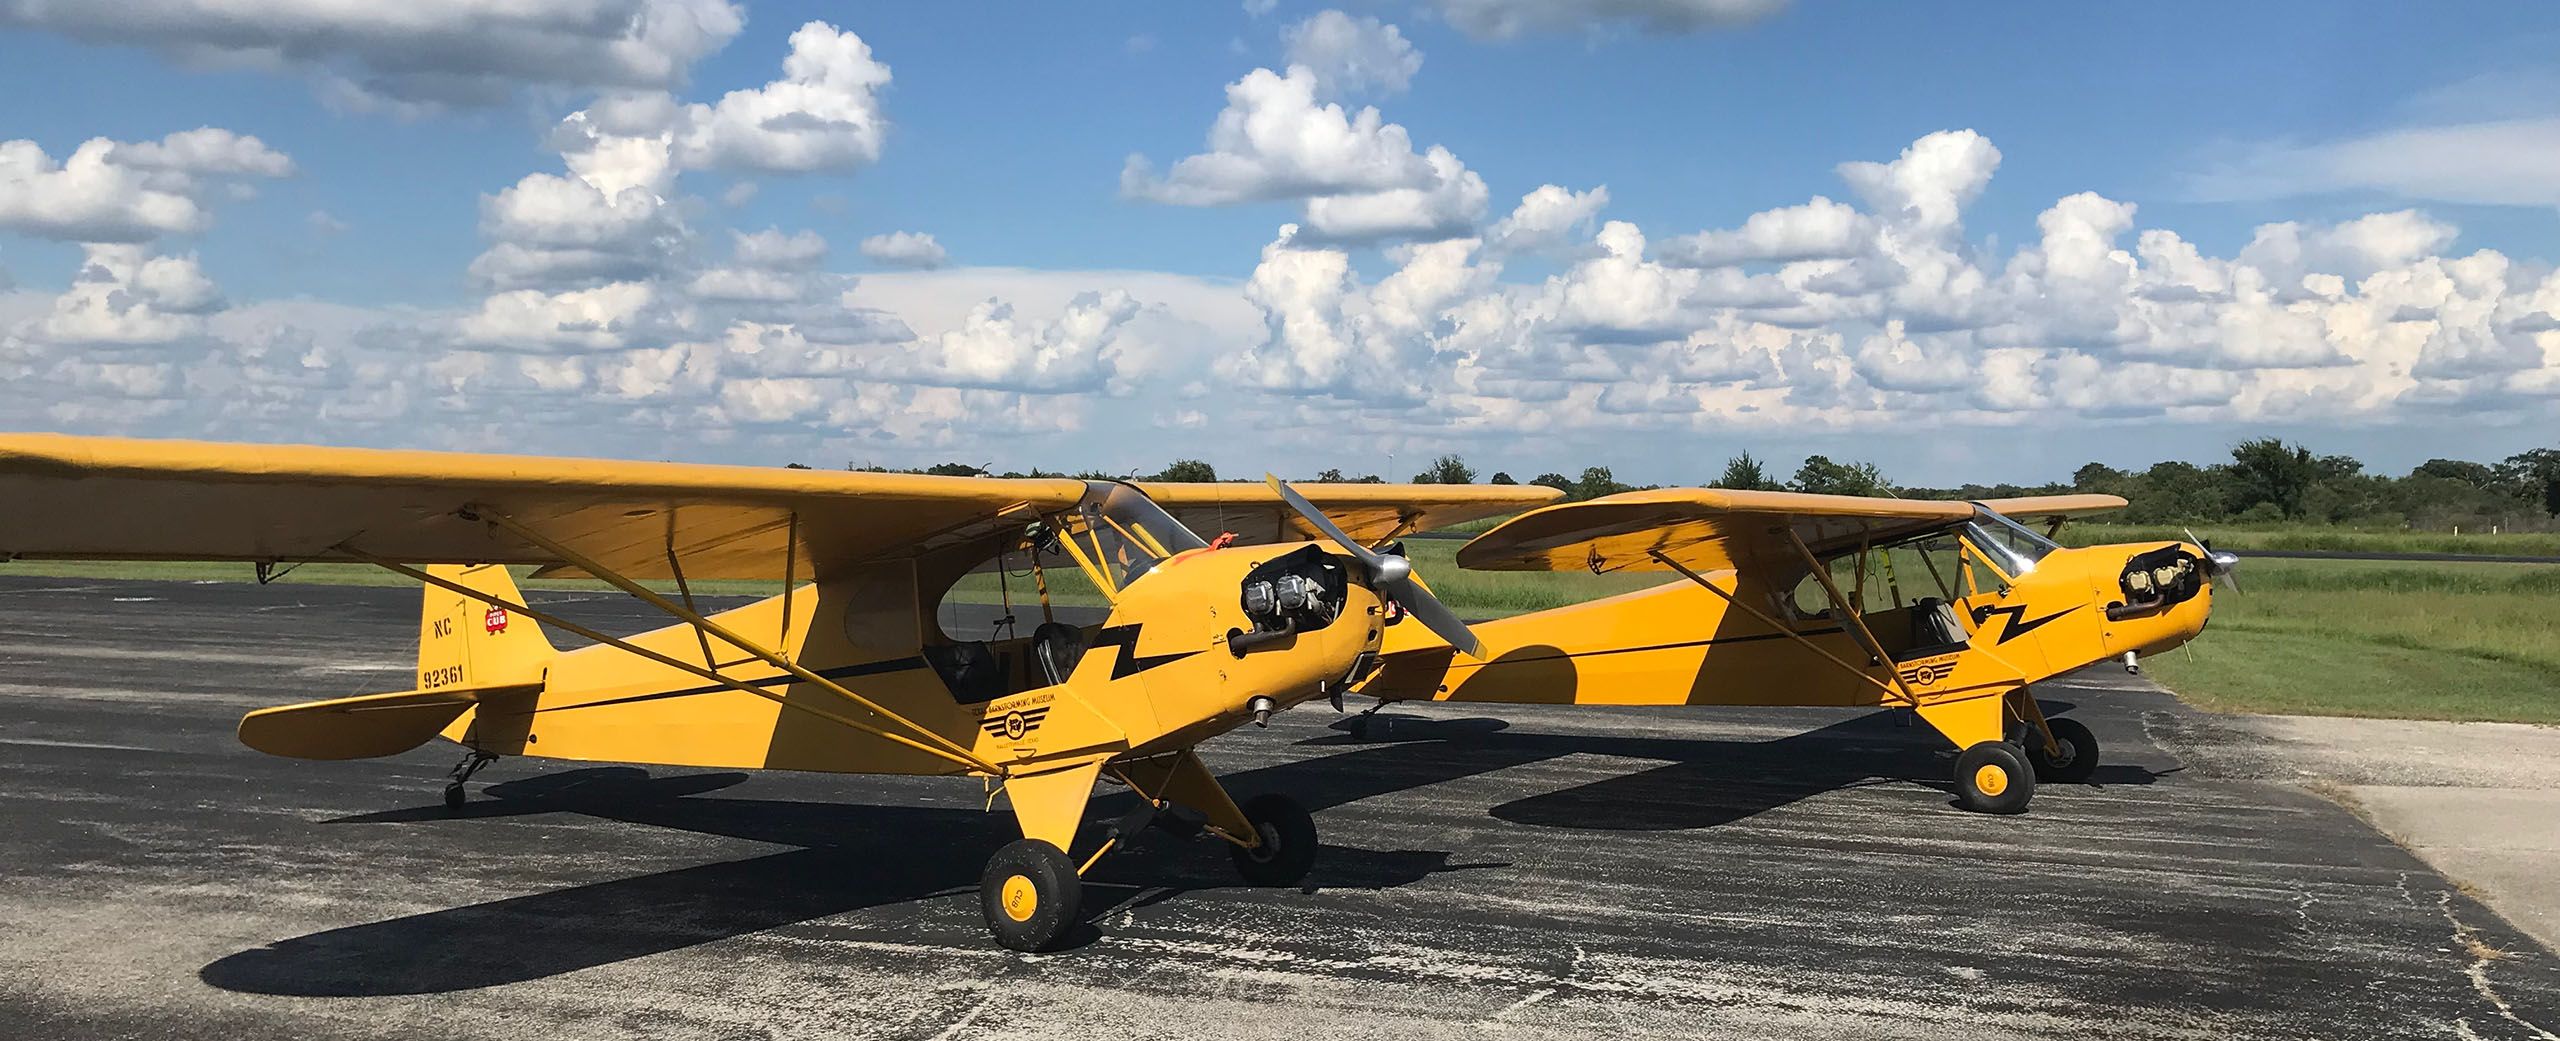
[{"x": 1529, "y": 872}]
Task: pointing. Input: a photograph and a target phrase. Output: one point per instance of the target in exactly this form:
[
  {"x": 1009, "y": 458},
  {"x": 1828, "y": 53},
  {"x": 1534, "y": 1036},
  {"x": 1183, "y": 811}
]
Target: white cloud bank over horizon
[{"x": 618, "y": 319}]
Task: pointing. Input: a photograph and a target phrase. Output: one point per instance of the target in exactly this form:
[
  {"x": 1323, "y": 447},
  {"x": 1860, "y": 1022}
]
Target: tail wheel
[
  {"x": 1994, "y": 777},
  {"x": 1288, "y": 848},
  {"x": 2079, "y": 758},
  {"x": 1029, "y": 894}
]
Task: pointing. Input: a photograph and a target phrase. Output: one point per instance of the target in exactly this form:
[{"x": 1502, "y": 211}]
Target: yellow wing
[
  {"x": 1702, "y": 529},
  {"x": 111, "y": 498},
  {"x": 1370, "y": 513},
  {"x": 2053, "y": 508}
]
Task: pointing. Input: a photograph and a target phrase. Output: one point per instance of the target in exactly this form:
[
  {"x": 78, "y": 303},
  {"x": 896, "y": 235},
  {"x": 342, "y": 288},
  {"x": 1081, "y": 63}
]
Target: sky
[{"x": 1968, "y": 242}]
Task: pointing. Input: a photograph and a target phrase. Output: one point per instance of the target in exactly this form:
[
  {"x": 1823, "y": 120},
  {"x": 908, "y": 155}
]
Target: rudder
[{"x": 467, "y": 642}]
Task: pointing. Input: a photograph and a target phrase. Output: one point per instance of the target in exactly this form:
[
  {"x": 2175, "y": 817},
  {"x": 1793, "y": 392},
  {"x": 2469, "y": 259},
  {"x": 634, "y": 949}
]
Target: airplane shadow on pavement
[{"x": 855, "y": 856}]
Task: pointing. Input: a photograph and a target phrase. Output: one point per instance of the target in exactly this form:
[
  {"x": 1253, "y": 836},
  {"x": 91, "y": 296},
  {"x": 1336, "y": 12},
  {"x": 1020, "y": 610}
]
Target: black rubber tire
[
  {"x": 1980, "y": 789},
  {"x": 2080, "y": 753},
  {"x": 453, "y": 796},
  {"x": 1288, "y": 849},
  {"x": 1029, "y": 893}
]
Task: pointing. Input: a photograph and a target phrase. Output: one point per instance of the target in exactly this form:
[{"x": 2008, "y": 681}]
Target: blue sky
[{"x": 1003, "y": 133}]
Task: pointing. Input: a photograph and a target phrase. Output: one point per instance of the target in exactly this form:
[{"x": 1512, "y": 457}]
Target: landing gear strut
[{"x": 462, "y": 771}]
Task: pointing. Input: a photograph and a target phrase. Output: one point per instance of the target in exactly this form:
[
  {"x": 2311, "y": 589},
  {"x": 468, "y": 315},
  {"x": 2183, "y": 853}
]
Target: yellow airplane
[
  {"x": 843, "y": 670},
  {"x": 1951, "y": 609}
]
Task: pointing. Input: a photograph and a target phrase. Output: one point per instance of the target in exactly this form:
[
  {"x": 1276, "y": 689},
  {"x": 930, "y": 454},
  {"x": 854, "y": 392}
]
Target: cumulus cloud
[
  {"x": 1350, "y": 54},
  {"x": 111, "y": 191},
  {"x": 823, "y": 114},
  {"x": 1545, "y": 218},
  {"x": 1499, "y": 19},
  {"x": 905, "y": 249},
  {"x": 124, "y": 295},
  {"x": 1818, "y": 230},
  {"x": 993, "y": 349},
  {"x": 1280, "y": 139},
  {"x": 408, "y": 56}
]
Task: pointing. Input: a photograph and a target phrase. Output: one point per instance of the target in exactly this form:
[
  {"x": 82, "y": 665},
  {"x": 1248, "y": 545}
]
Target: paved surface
[
  {"x": 1553, "y": 874},
  {"x": 2479, "y": 801}
]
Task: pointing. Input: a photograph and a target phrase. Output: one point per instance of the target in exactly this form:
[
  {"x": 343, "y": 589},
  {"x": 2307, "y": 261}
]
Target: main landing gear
[
  {"x": 1030, "y": 891},
  {"x": 2000, "y": 775}
]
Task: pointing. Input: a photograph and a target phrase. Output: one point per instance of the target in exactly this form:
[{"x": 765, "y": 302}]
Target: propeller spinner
[
  {"x": 1390, "y": 575},
  {"x": 2221, "y": 564}
]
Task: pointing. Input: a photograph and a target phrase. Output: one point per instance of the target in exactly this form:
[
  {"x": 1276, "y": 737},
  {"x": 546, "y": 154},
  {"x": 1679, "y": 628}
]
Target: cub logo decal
[
  {"x": 1012, "y": 725},
  {"x": 494, "y": 620},
  {"x": 1928, "y": 673}
]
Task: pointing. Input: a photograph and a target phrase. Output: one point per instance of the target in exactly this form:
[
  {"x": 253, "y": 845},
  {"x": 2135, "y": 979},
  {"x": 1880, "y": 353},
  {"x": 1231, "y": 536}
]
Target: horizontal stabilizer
[{"x": 364, "y": 727}]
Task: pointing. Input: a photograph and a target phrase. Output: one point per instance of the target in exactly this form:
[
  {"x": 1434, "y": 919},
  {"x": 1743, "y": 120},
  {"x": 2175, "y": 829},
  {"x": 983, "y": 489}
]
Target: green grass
[
  {"x": 2321, "y": 537},
  {"x": 2363, "y": 638}
]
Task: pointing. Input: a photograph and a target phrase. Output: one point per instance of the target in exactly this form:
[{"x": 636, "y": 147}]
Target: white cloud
[
  {"x": 1350, "y": 54},
  {"x": 1818, "y": 230},
  {"x": 124, "y": 295},
  {"x": 1357, "y": 174},
  {"x": 408, "y": 56},
  {"x": 906, "y": 249},
  {"x": 992, "y": 349},
  {"x": 606, "y": 317},
  {"x": 1506, "y": 18},
  {"x": 774, "y": 250},
  {"x": 110, "y": 191},
  {"x": 823, "y": 114},
  {"x": 2501, "y": 162},
  {"x": 1448, "y": 206},
  {"x": 1545, "y": 217},
  {"x": 1275, "y": 140}
]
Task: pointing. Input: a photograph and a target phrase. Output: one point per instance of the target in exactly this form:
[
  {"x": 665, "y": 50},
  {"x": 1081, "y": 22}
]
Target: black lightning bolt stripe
[
  {"x": 1130, "y": 662},
  {"x": 2018, "y": 624}
]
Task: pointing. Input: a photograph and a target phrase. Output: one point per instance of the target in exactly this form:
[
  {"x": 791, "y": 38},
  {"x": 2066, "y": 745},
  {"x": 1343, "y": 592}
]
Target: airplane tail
[
  {"x": 465, "y": 642},
  {"x": 469, "y": 652}
]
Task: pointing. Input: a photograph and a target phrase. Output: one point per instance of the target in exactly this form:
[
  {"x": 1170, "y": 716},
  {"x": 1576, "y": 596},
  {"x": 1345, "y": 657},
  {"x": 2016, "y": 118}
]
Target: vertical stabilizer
[{"x": 466, "y": 642}]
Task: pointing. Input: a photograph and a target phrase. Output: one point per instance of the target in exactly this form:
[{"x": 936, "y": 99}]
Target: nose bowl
[{"x": 2164, "y": 629}]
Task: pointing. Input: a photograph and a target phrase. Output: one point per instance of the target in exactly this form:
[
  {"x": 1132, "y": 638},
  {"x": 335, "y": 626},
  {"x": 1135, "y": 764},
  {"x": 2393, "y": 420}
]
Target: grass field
[
  {"x": 2361, "y": 638},
  {"x": 2319, "y": 637},
  {"x": 2323, "y": 538}
]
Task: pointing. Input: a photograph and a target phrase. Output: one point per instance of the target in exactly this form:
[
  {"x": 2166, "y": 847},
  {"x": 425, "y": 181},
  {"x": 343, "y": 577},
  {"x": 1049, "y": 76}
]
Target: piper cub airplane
[
  {"x": 846, "y": 669},
  {"x": 1951, "y": 609}
]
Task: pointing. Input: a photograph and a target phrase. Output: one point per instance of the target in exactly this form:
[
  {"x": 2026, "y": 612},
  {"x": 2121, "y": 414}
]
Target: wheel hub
[
  {"x": 1021, "y": 898},
  {"x": 1990, "y": 779}
]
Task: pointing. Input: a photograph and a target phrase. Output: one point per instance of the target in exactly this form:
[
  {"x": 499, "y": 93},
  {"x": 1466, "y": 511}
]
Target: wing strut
[
  {"x": 933, "y": 742},
  {"x": 1781, "y": 628}
]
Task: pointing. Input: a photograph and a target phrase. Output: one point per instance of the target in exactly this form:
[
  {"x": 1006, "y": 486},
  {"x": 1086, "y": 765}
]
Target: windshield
[
  {"x": 2009, "y": 544},
  {"x": 1125, "y": 533}
]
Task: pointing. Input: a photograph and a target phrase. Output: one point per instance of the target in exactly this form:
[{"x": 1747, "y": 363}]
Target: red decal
[{"x": 495, "y": 621}]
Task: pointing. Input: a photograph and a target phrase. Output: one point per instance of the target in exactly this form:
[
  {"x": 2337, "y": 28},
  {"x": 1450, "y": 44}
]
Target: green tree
[
  {"x": 1744, "y": 472},
  {"x": 1595, "y": 482},
  {"x": 1500, "y": 477},
  {"x": 1821, "y": 476},
  {"x": 1189, "y": 471},
  {"x": 2271, "y": 471},
  {"x": 2535, "y": 477},
  {"x": 1556, "y": 481},
  {"x": 1447, "y": 469},
  {"x": 2477, "y": 475},
  {"x": 1331, "y": 475},
  {"x": 954, "y": 470},
  {"x": 2097, "y": 477}
]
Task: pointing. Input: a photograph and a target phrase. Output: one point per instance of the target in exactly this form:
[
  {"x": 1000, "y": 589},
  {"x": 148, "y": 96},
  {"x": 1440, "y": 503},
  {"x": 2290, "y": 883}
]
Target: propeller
[
  {"x": 1390, "y": 575},
  {"x": 2221, "y": 565}
]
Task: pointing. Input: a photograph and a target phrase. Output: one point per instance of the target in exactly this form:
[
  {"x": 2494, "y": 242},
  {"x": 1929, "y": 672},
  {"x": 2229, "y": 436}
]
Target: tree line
[{"x": 2267, "y": 480}]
